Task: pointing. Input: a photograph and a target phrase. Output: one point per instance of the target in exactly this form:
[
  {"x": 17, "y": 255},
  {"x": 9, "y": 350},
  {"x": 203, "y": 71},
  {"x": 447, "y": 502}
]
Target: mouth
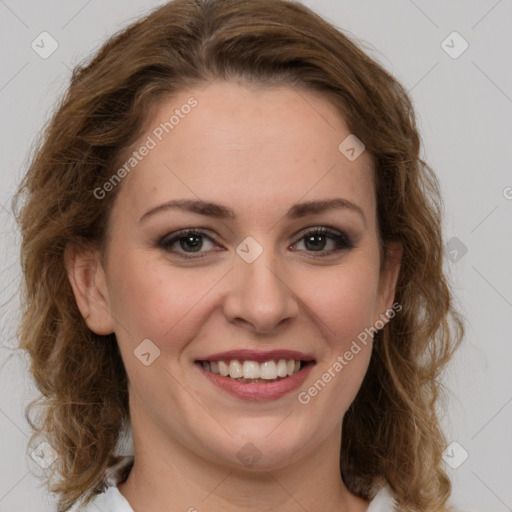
[
  {"x": 250, "y": 371},
  {"x": 254, "y": 375}
]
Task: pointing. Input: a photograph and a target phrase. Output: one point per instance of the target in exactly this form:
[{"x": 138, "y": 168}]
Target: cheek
[
  {"x": 151, "y": 300},
  {"x": 344, "y": 301},
  {"x": 343, "y": 308}
]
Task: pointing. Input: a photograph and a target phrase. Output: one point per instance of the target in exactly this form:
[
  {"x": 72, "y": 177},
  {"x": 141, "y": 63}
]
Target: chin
[{"x": 265, "y": 448}]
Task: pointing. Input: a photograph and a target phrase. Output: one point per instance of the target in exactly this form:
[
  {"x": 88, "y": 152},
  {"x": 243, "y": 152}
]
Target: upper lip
[{"x": 258, "y": 355}]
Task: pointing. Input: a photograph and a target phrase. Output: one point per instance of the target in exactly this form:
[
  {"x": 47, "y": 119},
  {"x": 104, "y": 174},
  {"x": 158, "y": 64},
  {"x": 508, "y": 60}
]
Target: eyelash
[{"x": 342, "y": 241}]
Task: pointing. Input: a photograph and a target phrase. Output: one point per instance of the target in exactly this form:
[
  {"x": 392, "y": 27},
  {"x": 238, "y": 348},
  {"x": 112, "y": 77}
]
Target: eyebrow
[{"x": 224, "y": 212}]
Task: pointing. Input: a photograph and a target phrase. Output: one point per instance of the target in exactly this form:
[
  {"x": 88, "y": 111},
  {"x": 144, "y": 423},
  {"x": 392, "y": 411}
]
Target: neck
[{"x": 169, "y": 476}]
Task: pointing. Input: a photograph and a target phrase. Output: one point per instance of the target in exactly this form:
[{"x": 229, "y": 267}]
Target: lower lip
[{"x": 258, "y": 391}]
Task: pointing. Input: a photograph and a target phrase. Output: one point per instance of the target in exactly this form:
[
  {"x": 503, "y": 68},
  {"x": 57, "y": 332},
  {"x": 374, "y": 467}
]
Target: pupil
[
  {"x": 316, "y": 242},
  {"x": 192, "y": 242}
]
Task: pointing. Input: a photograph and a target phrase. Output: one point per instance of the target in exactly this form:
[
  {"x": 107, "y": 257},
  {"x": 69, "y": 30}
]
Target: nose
[{"x": 259, "y": 295}]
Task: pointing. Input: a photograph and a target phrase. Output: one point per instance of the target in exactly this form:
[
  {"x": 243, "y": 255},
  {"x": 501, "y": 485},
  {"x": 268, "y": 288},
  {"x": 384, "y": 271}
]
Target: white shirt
[{"x": 111, "y": 500}]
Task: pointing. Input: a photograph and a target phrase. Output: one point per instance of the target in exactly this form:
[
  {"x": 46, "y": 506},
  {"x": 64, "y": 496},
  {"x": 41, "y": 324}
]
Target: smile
[
  {"x": 254, "y": 375},
  {"x": 254, "y": 371}
]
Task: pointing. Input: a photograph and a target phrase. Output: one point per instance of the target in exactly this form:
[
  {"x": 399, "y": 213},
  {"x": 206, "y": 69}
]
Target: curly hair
[{"x": 391, "y": 431}]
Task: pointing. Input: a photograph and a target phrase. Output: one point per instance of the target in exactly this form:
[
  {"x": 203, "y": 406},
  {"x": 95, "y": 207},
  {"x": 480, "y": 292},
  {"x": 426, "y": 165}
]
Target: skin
[{"x": 259, "y": 151}]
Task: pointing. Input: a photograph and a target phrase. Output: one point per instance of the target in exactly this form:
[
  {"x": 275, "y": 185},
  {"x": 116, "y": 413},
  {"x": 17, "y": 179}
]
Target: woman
[{"x": 232, "y": 250}]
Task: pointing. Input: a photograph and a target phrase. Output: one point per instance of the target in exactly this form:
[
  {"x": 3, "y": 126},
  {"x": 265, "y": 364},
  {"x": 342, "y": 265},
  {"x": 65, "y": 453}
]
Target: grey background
[{"x": 464, "y": 108}]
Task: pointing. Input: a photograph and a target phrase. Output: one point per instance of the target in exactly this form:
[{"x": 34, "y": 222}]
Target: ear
[
  {"x": 87, "y": 278},
  {"x": 388, "y": 279}
]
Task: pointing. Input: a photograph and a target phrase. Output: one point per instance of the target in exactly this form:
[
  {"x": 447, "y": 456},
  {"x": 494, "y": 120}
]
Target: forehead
[{"x": 253, "y": 148}]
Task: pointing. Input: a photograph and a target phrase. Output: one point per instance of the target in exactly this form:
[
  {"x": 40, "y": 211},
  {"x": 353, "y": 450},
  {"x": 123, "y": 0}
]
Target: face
[{"x": 284, "y": 257}]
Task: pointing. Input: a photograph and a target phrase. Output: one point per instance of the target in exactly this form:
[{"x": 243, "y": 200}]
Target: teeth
[
  {"x": 282, "y": 368},
  {"x": 268, "y": 370},
  {"x": 223, "y": 369},
  {"x": 252, "y": 370},
  {"x": 235, "y": 369}
]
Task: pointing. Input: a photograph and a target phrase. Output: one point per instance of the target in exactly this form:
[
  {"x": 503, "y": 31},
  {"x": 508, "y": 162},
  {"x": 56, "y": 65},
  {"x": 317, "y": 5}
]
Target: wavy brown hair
[{"x": 391, "y": 432}]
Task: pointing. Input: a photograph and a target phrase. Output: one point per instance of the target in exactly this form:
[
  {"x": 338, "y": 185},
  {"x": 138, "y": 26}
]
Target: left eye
[{"x": 317, "y": 239}]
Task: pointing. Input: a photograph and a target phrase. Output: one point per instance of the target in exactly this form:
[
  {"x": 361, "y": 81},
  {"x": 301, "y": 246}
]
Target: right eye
[{"x": 187, "y": 242}]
